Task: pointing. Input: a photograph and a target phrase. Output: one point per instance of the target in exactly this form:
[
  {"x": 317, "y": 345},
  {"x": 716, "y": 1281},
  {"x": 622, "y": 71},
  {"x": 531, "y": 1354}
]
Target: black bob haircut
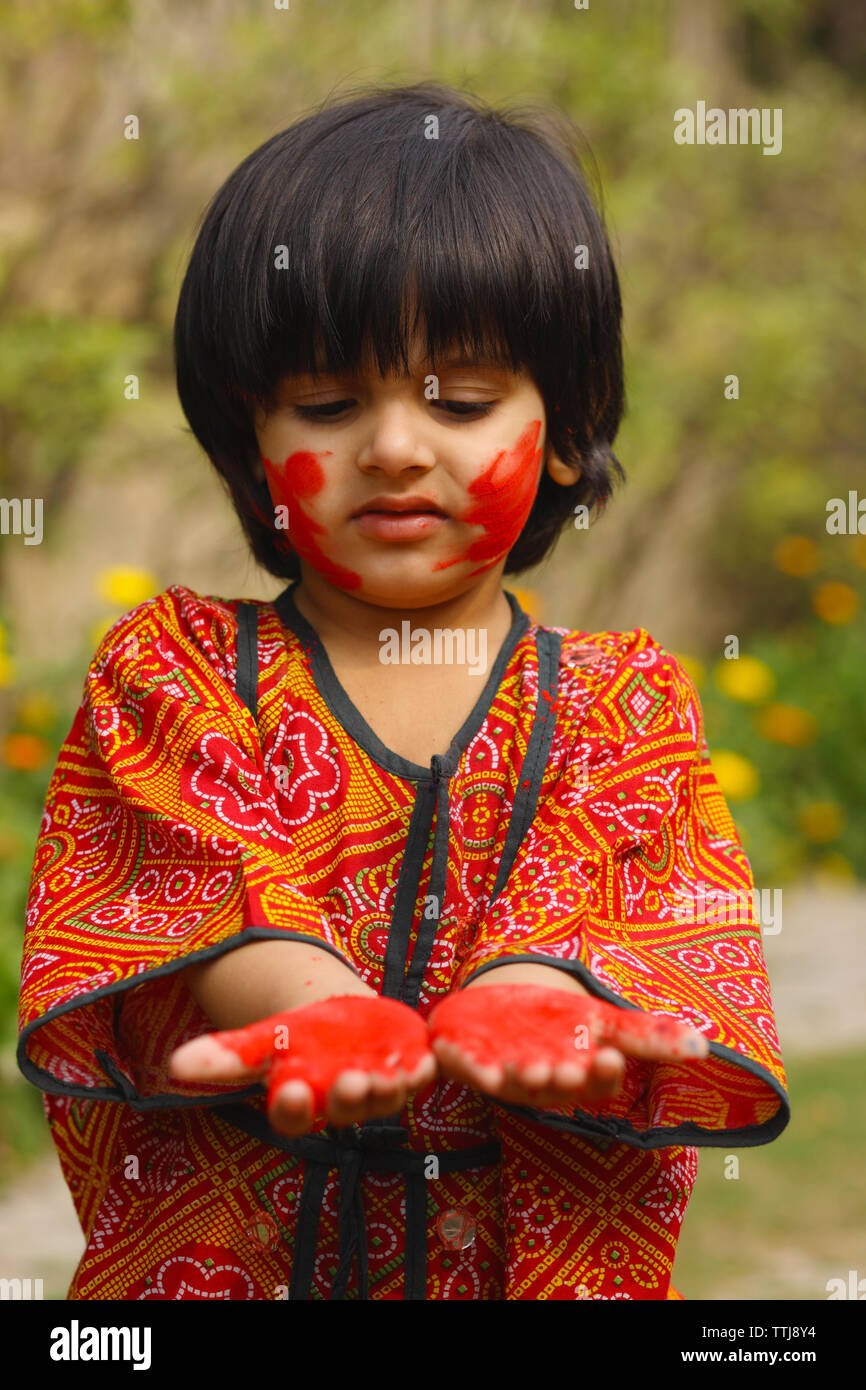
[{"x": 477, "y": 227}]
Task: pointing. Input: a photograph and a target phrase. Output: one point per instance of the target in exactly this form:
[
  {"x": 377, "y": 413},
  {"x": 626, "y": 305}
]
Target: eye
[
  {"x": 466, "y": 407},
  {"x": 322, "y": 412}
]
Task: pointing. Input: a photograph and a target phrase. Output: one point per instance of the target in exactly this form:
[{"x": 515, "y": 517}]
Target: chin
[{"x": 405, "y": 590}]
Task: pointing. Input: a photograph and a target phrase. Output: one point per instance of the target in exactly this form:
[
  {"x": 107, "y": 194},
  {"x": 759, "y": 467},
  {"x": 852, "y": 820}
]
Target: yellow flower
[
  {"x": 35, "y": 711},
  {"x": 797, "y": 555},
  {"x": 7, "y": 669},
  {"x": 835, "y": 867},
  {"x": 835, "y": 603},
  {"x": 737, "y": 777},
  {"x": 531, "y": 602},
  {"x": 126, "y": 585},
  {"x": 821, "y": 821},
  {"x": 787, "y": 724},
  {"x": 692, "y": 667},
  {"x": 24, "y": 752},
  {"x": 744, "y": 678}
]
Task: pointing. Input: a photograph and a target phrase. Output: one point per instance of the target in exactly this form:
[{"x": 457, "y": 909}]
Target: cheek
[
  {"x": 501, "y": 500},
  {"x": 292, "y": 483},
  {"x": 298, "y": 478}
]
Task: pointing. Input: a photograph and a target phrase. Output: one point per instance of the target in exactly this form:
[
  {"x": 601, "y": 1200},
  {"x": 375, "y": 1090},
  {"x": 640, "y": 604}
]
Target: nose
[{"x": 395, "y": 443}]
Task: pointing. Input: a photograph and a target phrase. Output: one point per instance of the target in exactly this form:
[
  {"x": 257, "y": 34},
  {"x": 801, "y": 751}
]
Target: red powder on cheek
[
  {"x": 505, "y": 492},
  {"x": 297, "y": 479}
]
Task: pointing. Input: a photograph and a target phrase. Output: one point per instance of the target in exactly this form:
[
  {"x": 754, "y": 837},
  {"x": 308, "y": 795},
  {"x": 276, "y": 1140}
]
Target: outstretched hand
[
  {"x": 346, "y": 1059},
  {"x": 529, "y": 1045},
  {"x": 352, "y": 1058}
]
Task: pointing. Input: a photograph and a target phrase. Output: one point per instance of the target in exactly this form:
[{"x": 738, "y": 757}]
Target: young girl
[{"x": 353, "y": 977}]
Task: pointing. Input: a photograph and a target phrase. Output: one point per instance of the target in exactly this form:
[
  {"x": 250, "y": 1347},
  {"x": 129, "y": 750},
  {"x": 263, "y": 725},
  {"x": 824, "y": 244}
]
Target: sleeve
[
  {"x": 160, "y": 844},
  {"x": 633, "y": 878}
]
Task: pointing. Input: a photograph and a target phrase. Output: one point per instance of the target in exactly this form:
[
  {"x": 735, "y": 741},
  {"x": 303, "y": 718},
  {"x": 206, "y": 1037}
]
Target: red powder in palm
[{"x": 315, "y": 1042}]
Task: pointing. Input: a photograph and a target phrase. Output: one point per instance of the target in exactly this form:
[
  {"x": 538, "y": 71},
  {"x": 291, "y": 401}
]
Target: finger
[
  {"x": 448, "y": 1057},
  {"x": 349, "y": 1098},
  {"x": 206, "y": 1059},
  {"x": 258, "y": 1042},
  {"x": 426, "y": 1071},
  {"x": 569, "y": 1076},
  {"x": 482, "y": 1077},
  {"x": 462, "y": 1067},
  {"x": 533, "y": 1075},
  {"x": 388, "y": 1101},
  {"x": 571, "y": 1084},
  {"x": 383, "y": 1086},
  {"x": 512, "y": 1093},
  {"x": 606, "y": 1075},
  {"x": 351, "y": 1087},
  {"x": 651, "y": 1037},
  {"x": 290, "y": 1108}
]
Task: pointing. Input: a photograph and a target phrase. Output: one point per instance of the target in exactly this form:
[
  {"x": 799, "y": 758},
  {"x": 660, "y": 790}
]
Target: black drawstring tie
[
  {"x": 371, "y": 1147},
  {"x": 354, "y": 1145}
]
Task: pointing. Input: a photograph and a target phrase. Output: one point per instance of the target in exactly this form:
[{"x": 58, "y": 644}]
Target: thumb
[
  {"x": 651, "y": 1037},
  {"x": 236, "y": 1054}
]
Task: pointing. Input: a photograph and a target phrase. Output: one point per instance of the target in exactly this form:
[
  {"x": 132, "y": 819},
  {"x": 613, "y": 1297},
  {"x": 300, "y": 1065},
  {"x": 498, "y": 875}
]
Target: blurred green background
[{"x": 732, "y": 262}]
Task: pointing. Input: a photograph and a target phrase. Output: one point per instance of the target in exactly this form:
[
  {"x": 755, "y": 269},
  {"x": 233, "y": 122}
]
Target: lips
[
  {"x": 389, "y": 506},
  {"x": 399, "y": 526}
]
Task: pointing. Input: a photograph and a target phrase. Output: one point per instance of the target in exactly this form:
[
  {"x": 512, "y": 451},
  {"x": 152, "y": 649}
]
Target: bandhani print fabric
[{"x": 218, "y": 786}]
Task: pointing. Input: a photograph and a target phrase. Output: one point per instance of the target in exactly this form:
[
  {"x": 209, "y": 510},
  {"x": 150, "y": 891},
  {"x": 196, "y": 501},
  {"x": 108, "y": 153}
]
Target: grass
[
  {"x": 24, "y": 1132},
  {"x": 796, "y": 1215}
]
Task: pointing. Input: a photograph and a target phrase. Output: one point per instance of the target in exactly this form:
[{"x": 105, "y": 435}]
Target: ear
[{"x": 566, "y": 474}]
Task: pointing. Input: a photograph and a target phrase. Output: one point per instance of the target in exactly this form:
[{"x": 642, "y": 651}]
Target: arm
[
  {"x": 267, "y": 977},
  {"x": 524, "y": 974}
]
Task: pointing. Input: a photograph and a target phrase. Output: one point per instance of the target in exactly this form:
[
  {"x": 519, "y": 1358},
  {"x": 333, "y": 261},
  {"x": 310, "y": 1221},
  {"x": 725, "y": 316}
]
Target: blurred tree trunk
[{"x": 702, "y": 35}]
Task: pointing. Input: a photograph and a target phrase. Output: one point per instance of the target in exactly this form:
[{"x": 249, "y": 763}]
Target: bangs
[
  {"x": 366, "y": 270},
  {"x": 332, "y": 245}
]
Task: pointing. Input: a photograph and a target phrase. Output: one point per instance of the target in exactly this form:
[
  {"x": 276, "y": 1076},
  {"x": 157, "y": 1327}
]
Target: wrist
[
  {"x": 319, "y": 977},
  {"x": 268, "y": 977},
  {"x": 529, "y": 973}
]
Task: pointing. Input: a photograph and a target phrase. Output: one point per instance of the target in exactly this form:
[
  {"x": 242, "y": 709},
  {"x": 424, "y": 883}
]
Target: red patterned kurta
[{"x": 575, "y": 821}]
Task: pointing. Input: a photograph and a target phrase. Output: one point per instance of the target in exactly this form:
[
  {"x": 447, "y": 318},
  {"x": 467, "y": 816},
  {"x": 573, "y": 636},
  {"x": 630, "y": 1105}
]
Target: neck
[{"x": 357, "y": 623}]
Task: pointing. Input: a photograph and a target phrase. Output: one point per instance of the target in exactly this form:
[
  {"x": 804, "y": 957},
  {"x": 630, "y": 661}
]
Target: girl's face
[{"x": 464, "y": 449}]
